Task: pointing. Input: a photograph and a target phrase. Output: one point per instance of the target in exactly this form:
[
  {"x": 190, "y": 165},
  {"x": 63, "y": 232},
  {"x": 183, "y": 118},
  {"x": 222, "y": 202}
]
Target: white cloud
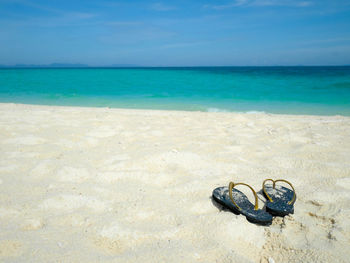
[
  {"x": 281, "y": 3},
  {"x": 57, "y": 11},
  {"x": 250, "y": 3},
  {"x": 228, "y": 5}
]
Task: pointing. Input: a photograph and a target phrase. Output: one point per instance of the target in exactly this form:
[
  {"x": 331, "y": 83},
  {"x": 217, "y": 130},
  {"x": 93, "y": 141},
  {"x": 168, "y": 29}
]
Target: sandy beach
[{"x": 118, "y": 185}]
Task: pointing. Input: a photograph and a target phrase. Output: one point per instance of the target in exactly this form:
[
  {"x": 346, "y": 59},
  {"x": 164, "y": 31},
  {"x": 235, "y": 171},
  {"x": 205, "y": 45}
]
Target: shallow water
[{"x": 288, "y": 90}]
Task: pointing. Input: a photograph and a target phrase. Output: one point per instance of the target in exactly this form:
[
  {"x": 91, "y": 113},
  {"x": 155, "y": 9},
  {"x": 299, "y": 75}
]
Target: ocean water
[{"x": 287, "y": 90}]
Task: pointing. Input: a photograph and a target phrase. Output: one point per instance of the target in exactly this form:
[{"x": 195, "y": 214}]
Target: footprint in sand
[{"x": 315, "y": 226}]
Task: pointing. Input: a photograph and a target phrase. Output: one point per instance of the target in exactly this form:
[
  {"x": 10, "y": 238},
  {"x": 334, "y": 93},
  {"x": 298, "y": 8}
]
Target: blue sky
[{"x": 175, "y": 33}]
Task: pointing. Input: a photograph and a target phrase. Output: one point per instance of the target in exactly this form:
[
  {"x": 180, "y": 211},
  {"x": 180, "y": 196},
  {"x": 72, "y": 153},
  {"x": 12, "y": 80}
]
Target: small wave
[
  {"x": 216, "y": 110},
  {"x": 223, "y": 110},
  {"x": 255, "y": 112}
]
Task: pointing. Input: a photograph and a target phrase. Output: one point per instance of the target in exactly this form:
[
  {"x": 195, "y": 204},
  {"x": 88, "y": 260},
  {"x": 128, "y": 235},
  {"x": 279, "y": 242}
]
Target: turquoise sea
[{"x": 287, "y": 90}]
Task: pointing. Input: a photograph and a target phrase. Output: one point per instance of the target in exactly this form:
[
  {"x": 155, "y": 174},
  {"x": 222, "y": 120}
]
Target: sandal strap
[
  {"x": 230, "y": 189},
  {"x": 274, "y": 184}
]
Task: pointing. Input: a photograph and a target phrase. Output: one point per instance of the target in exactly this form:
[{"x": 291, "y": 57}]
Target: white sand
[{"x": 110, "y": 185}]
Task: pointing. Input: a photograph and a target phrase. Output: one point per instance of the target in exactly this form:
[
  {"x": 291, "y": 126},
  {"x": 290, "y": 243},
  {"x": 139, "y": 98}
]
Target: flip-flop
[
  {"x": 280, "y": 200},
  {"x": 238, "y": 202}
]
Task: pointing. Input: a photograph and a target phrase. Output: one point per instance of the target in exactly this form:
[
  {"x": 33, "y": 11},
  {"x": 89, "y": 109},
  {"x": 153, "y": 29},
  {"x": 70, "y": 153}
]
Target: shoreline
[
  {"x": 106, "y": 184},
  {"x": 213, "y": 111}
]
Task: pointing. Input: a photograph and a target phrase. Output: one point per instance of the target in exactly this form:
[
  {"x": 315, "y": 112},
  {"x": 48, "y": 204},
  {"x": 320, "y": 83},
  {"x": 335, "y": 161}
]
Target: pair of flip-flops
[{"x": 279, "y": 201}]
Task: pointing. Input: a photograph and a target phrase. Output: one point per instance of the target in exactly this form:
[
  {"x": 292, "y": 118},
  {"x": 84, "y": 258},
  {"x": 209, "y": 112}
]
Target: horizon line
[{"x": 67, "y": 66}]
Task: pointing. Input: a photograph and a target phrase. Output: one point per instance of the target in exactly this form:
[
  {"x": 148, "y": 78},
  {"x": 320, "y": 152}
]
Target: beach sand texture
[{"x": 113, "y": 185}]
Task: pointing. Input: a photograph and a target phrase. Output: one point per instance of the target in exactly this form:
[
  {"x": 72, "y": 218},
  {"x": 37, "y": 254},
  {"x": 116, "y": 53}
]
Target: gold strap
[
  {"x": 230, "y": 188},
  {"x": 263, "y": 187},
  {"x": 274, "y": 184}
]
